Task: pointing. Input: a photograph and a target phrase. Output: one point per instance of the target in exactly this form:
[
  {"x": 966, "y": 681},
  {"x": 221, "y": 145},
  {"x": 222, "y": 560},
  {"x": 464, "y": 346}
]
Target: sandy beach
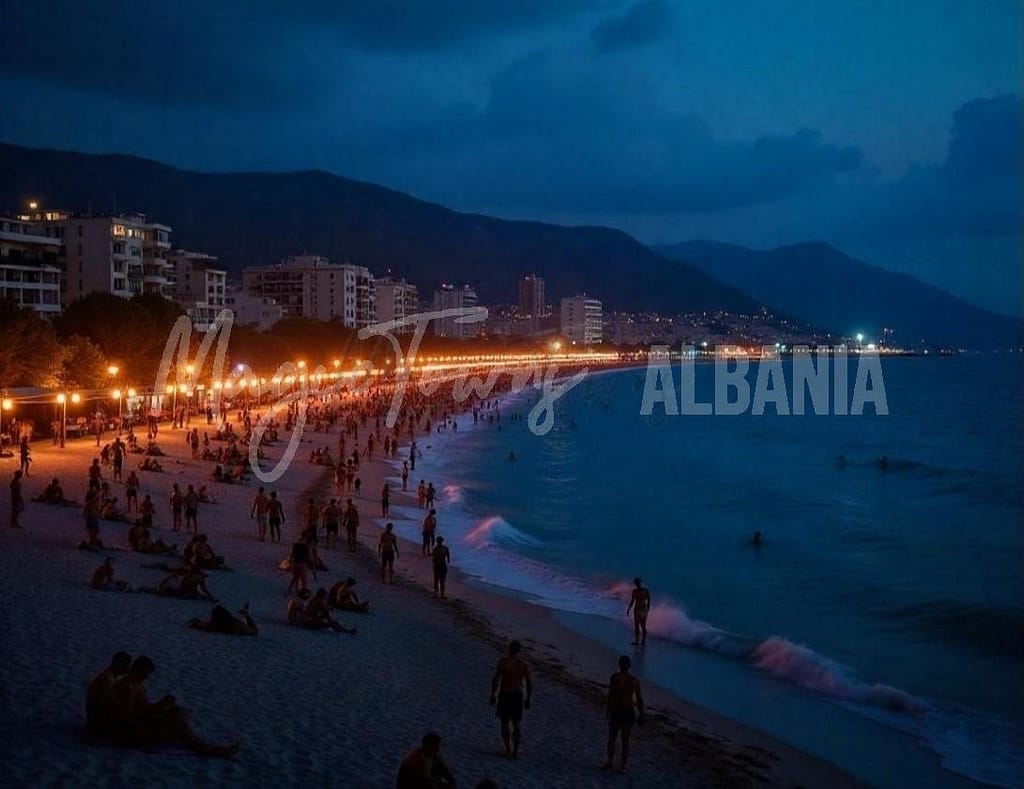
[{"x": 317, "y": 706}]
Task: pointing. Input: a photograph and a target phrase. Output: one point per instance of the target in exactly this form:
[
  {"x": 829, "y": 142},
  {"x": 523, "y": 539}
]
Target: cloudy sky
[{"x": 892, "y": 129}]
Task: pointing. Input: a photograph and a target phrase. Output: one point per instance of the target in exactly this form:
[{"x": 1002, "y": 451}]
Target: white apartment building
[
  {"x": 260, "y": 312},
  {"x": 310, "y": 286},
  {"x": 121, "y": 254},
  {"x": 582, "y": 320},
  {"x": 449, "y": 297},
  {"x": 396, "y": 300},
  {"x": 198, "y": 285},
  {"x": 30, "y": 274}
]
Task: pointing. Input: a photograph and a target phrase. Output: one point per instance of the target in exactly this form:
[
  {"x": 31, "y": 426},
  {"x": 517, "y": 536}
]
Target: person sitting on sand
[
  {"x": 135, "y": 722},
  {"x": 54, "y": 494},
  {"x": 140, "y": 540},
  {"x": 148, "y": 464},
  {"x": 111, "y": 512},
  {"x": 199, "y": 550},
  {"x": 318, "y": 615},
  {"x": 297, "y": 607},
  {"x": 191, "y": 584},
  {"x": 423, "y": 767},
  {"x": 221, "y": 621},
  {"x": 623, "y": 687},
  {"x": 103, "y": 578},
  {"x": 343, "y": 597},
  {"x": 97, "y": 695}
]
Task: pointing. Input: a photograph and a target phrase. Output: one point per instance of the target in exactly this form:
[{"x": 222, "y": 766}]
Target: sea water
[{"x": 880, "y": 625}]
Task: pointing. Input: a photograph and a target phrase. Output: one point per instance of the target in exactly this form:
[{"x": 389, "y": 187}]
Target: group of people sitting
[
  {"x": 149, "y": 464},
  {"x": 236, "y": 474},
  {"x": 321, "y": 457},
  {"x": 118, "y": 712}
]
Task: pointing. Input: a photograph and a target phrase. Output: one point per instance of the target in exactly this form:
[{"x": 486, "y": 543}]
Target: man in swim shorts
[
  {"x": 640, "y": 604},
  {"x": 510, "y": 674},
  {"x": 623, "y": 687}
]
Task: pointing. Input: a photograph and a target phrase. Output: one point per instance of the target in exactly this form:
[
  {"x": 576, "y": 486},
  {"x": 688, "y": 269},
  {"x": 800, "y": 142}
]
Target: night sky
[{"x": 892, "y": 129}]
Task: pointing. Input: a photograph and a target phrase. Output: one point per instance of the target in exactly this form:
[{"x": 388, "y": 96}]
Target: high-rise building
[
  {"x": 198, "y": 284},
  {"x": 123, "y": 254},
  {"x": 531, "y": 297},
  {"x": 30, "y": 274},
  {"x": 310, "y": 286},
  {"x": 449, "y": 297},
  {"x": 396, "y": 300},
  {"x": 582, "y": 320}
]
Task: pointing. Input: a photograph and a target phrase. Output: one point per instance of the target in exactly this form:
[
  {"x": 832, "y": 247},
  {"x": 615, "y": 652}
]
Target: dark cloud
[
  {"x": 976, "y": 190},
  {"x": 645, "y": 22}
]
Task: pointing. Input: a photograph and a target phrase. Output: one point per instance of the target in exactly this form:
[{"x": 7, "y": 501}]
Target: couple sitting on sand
[
  {"x": 54, "y": 494},
  {"x": 313, "y": 614},
  {"x": 118, "y": 712},
  {"x": 141, "y": 541},
  {"x": 199, "y": 551},
  {"x": 343, "y": 597}
]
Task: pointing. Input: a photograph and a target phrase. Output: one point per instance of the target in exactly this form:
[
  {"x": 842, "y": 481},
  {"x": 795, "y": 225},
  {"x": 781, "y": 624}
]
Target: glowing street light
[
  {"x": 62, "y": 401},
  {"x": 5, "y": 405},
  {"x": 116, "y": 394}
]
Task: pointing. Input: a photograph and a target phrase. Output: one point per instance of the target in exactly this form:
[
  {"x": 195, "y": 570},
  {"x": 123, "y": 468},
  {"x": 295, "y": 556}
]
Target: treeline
[{"x": 76, "y": 348}]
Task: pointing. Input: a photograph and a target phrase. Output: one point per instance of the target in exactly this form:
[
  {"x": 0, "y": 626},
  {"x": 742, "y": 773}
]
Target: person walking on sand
[
  {"x": 385, "y": 500},
  {"x": 259, "y": 512},
  {"x": 275, "y": 516},
  {"x": 332, "y": 521},
  {"x": 191, "y": 509},
  {"x": 441, "y": 558},
  {"x": 429, "y": 530},
  {"x": 640, "y": 604},
  {"x": 177, "y": 502},
  {"x": 25, "y": 455},
  {"x": 423, "y": 767},
  {"x": 17, "y": 502},
  {"x": 510, "y": 675},
  {"x": 405, "y": 475},
  {"x": 351, "y": 523},
  {"x": 387, "y": 548},
  {"x": 623, "y": 688}
]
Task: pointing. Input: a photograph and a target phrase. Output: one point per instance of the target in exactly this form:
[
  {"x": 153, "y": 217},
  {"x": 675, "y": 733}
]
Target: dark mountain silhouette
[
  {"x": 258, "y": 218},
  {"x": 817, "y": 283}
]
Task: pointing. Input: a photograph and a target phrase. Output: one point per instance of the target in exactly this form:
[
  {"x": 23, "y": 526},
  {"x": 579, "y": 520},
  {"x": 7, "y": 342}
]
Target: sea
[{"x": 880, "y": 623}]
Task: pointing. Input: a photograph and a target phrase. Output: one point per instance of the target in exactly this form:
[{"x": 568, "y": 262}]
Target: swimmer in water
[
  {"x": 842, "y": 461},
  {"x": 756, "y": 541},
  {"x": 511, "y": 455}
]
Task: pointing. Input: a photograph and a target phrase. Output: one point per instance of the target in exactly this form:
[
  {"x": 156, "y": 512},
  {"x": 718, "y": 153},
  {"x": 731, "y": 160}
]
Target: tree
[
  {"x": 83, "y": 364},
  {"x": 30, "y": 353}
]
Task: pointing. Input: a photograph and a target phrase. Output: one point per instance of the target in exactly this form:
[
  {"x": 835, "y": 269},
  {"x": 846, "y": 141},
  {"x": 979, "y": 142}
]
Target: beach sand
[{"x": 317, "y": 706}]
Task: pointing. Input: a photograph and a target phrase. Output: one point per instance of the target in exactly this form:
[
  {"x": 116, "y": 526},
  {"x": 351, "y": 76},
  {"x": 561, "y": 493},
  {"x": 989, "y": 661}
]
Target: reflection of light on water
[
  {"x": 479, "y": 533},
  {"x": 452, "y": 493}
]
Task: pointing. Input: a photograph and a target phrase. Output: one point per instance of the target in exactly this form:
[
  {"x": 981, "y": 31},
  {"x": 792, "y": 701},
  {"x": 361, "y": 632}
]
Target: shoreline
[{"x": 727, "y": 750}]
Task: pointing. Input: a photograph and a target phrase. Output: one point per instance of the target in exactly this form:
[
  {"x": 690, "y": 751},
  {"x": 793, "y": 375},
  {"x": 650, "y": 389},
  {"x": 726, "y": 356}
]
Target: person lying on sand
[
  {"x": 103, "y": 578},
  {"x": 423, "y": 767},
  {"x": 130, "y": 719},
  {"x": 54, "y": 494},
  {"x": 343, "y": 597},
  {"x": 221, "y": 621}
]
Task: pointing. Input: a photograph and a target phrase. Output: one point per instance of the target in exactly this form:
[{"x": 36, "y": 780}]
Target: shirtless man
[
  {"x": 351, "y": 522},
  {"x": 136, "y": 722},
  {"x": 191, "y": 584},
  {"x": 640, "y": 605},
  {"x": 387, "y": 548},
  {"x": 332, "y": 520},
  {"x": 191, "y": 509},
  {"x": 429, "y": 530},
  {"x": 622, "y": 688},
  {"x": 221, "y": 621},
  {"x": 510, "y": 673},
  {"x": 318, "y": 615},
  {"x": 275, "y": 516},
  {"x": 98, "y": 693},
  {"x": 423, "y": 767},
  {"x": 259, "y": 512},
  {"x": 441, "y": 558}
]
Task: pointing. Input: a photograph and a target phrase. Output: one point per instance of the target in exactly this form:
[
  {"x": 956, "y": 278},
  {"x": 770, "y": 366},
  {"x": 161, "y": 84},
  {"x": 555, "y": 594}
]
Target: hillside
[
  {"x": 817, "y": 283},
  {"x": 259, "y": 218}
]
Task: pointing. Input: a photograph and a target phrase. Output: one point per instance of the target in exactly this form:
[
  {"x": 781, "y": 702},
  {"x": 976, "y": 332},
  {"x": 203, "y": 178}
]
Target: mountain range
[
  {"x": 821, "y": 285},
  {"x": 258, "y": 218}
]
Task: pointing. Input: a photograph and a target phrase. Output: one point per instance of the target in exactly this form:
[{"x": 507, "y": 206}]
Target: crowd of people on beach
[{"x": 118, "y": 711}]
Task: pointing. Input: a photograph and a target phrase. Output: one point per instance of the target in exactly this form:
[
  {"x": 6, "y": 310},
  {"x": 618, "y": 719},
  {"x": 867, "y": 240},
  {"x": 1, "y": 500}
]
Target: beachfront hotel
[
  {"x": 29, "y": 272},
  {"x": 198, "y": 285},
  {"x": 396, "y": 300},
  {"x": 123, "y": 254},
  {"x": 582, "y": 320},
  {"x": 450, "y": 297},
  {"x": 531, "y": 297},
  {"x": 310, "y": 286}
]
